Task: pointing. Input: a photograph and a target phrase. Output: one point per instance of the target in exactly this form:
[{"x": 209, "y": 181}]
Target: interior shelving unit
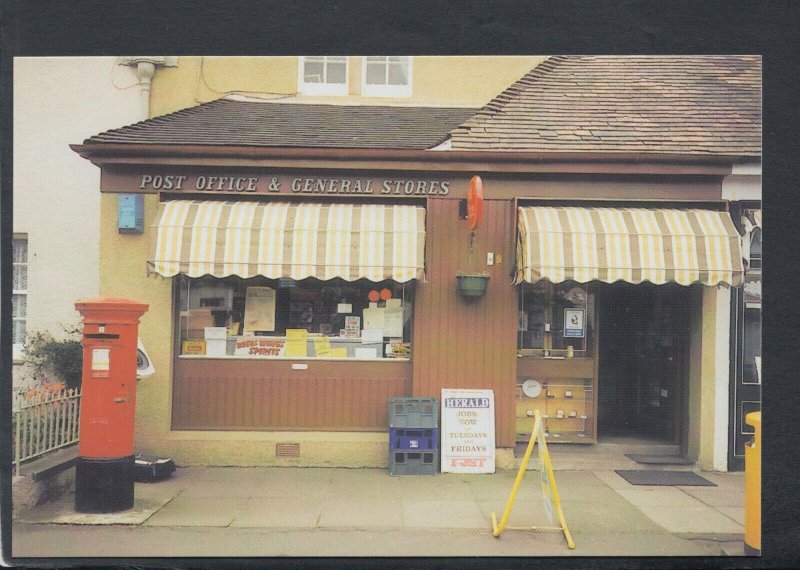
[{"x": 567, "y": 406}]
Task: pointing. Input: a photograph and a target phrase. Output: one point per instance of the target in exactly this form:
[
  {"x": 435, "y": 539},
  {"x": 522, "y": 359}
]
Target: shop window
[
  {"x": 386, "y": 76},
  {"x": 284, "y": 318},
  {"x": 555, "y": 320},
  {"x": 323, "y": 75},
  {"x": 752, "y": 312},
  {"x": 19, "y": 296}
]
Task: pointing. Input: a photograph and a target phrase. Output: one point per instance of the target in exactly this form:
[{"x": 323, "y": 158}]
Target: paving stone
[
  {"x": 273, "y": 512},
  {"x": 217, "y": 489},
  {"x": 342, "y": 513},
  {"x": 198, "y": 511},
  {"x": 612, "y": 479},
  {"x": 735, "y": 513},
  {"x": 443, "y": 514},
  {"x": 360, "y": 483},
  {"x": 691, "y": 520},
  {"x": 63, "y": 512},
  {"x": 620, "y": 517},
  {"x": 663, "y": 496},
  {"x": 524, "y": 513},
  {"x": 716, "y": 497}
]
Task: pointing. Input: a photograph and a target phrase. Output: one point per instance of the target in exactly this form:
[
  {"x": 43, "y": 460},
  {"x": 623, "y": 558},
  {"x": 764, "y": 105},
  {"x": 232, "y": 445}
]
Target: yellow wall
[
  {"x": 123, "y": 273},
  {"x": 436, "y": 80}
]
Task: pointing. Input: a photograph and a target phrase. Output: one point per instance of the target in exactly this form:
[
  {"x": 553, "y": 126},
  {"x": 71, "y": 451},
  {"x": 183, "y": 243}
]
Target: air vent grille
[{"x": 287, "y": 450}]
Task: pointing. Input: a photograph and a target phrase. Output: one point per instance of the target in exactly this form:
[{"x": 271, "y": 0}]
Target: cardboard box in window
[
  {"x": 216, "y": 347},
  {"x": 199, "y": 319},
  {"x": 215, "y": 333},
  {"x": 194, "y": 322}
]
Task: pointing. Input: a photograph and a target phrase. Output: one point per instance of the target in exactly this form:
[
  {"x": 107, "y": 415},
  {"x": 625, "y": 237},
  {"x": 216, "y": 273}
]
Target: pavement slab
[
  {"x": 692, "y": 520},
  {"x": 362, "y": 483},
  {"x": 654, "y": 497},
  {"x": 62, "y": 512},
  {"x": 716, "y": 496},
  {"x": 343, "y": 513},
  {"x": 735, "y": 513},
  {"x": 277, "y": 513},
  {"x": 620, "y": 517},
  {"x": 197, "y": 511},
  {"x": 443, "y": 514},
  {"x": 524, "y": 513},
  {"x": 212, "y": 489}
]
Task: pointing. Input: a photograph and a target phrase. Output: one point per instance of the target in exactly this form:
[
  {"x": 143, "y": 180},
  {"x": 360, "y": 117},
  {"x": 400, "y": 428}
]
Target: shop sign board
[
  {"x": 467, "y": 431},
  {"x": 272, "y": 182}
]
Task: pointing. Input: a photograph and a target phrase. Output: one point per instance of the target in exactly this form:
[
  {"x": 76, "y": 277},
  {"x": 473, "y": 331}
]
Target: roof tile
[
  {"x": 699, "y": 104},
  {"x": 228, "y": 122}
]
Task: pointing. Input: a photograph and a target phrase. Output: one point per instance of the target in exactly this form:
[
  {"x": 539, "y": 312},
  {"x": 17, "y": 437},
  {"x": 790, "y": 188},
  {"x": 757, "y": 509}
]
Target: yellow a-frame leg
[{"x": 537, "y": 433}]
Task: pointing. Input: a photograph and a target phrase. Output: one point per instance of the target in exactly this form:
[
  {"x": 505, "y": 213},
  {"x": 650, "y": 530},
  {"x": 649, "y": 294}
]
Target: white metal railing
[{"x": 45, "y": 422}]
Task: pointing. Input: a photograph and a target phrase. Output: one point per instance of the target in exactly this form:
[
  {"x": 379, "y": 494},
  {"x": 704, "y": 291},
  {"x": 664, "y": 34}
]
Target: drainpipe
[{"x": 145, "y": 69}]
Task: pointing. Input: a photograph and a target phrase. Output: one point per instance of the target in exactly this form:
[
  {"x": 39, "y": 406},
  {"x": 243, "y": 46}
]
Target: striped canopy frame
[
  {"x": 627, "y": 244},
  {"x": 295, "y": 240}
]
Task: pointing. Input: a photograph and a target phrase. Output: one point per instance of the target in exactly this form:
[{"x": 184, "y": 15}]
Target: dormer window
[
  {"x": 386, "y": 76},
  {"x": 323, "y": 75}
]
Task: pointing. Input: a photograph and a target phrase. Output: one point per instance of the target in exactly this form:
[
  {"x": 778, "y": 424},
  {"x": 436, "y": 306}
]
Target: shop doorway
[{"x": 643, "y": 357}]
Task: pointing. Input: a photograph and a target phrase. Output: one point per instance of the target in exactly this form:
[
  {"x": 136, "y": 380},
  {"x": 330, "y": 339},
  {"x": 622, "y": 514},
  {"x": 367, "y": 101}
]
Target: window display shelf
[{"x": 567, "y": 407}]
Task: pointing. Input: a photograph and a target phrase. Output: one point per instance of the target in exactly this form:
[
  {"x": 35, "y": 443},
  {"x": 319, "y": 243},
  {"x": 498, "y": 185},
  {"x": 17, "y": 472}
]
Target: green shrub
[{"x": 62, "y": 358}]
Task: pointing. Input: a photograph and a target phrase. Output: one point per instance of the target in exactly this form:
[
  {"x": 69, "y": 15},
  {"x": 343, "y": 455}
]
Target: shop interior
[{"x": 643, "y": 361}]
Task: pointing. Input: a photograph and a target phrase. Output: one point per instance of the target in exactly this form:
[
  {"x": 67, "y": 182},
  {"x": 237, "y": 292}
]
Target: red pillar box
[{"x": 105, "y": 468}]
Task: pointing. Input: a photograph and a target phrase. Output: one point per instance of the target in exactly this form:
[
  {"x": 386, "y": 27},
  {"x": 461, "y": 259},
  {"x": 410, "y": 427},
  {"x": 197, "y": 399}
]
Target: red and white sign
[{"x": 467, "y": 430}]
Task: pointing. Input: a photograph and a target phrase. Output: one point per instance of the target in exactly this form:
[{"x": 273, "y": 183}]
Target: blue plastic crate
[
  {"x": 422, "y": 439},
  {"x": 413, "y": 412},
  {"x": 413, "y": 462}
]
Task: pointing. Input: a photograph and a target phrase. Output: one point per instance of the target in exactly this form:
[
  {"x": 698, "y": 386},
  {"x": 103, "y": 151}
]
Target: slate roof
[
  {"x": 707, "y": 105},
  {"x": 253, "y": 123}
]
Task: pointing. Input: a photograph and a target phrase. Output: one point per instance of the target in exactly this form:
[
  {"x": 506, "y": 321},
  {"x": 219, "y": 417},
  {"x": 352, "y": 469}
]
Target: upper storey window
[
  {"x": 386, "y": 76},
  {"x": 323, "y": 75}
]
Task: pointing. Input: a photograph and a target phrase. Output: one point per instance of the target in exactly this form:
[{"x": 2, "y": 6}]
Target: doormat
[
  {"x": 646, "y": 459},
  {"x": 658, "y": 477}
]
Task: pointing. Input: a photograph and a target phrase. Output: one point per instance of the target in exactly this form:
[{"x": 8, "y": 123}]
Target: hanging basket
[{"x": 472, "y": 285}]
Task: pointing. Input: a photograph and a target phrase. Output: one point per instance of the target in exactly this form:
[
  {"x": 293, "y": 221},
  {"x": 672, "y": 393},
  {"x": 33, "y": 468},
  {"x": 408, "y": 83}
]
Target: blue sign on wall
[{"x": 130, "y": 210}]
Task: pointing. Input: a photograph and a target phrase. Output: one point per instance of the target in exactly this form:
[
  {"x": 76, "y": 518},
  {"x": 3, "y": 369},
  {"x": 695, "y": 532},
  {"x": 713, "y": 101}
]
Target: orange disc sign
[
  {"x": 386, "y": 294},
  {"x": 373, "y": 296},
  {"x": 475, "y": 202}
]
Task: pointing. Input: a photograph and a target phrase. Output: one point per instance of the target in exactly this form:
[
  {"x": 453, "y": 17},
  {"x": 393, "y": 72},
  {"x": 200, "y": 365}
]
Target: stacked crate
[{"x": 413, "y": 436}]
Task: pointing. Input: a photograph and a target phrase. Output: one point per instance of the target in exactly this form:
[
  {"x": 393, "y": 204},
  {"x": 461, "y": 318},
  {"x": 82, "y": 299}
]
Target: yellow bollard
[{"x": 752, "y": 488}]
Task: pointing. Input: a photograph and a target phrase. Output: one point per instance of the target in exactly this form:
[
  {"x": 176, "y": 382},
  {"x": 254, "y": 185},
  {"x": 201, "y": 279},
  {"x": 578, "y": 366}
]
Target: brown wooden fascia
[{"x": 419, "y": 160}]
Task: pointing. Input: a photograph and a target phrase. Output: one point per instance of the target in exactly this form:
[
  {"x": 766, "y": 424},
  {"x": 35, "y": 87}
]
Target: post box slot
[{"x": 101, "y": 335}]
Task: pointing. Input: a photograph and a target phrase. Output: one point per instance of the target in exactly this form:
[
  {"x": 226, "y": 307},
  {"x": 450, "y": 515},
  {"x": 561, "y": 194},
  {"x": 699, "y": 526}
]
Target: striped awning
[
  {"x": 627, "y": 244},
  {"x": 279, "y": 239}
]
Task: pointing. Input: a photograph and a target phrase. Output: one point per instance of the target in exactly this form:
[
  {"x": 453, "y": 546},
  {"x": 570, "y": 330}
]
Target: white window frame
[
  {"x": 16, "y": 350},
  {"x": 386, "y": 90},
  {"x": 322, "y": 88}
]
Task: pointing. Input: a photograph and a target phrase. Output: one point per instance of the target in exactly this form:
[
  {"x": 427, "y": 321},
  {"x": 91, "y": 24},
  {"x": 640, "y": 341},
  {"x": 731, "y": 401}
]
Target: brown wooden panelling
[
  {"x": 468, "y": 343},
  {"x": 229, "y": 394}
]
